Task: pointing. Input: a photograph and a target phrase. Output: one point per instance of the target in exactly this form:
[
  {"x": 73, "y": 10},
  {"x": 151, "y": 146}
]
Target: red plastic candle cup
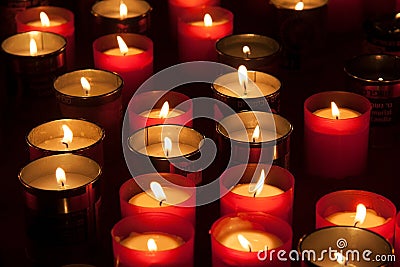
[
  {"x": 237, "y": 134},
  {"x": 344, "y": 244},
  {"x": 198, "y": 32},
  {"x": 340, "y": 208},
  {"x": 260, "y": 236},
  {"x": 134, "y": 65},
  {"x": 166, "y": 148},
  {"x": 136, "y": 196},
  {"x": 336, "y": 146},
  {"x": 170, "y": 108},
  {"x": 397, "y": 239},
  {"x": 34, "y": 59},
  {"x": 173, "y": 237},
  {"x": 240, "y": 193},
  {"x": 62, "y": 201},
  {"x": 66, "y": 136},
  {"x": 59, "y": 20},
  {"x": 128, "y": 16}
]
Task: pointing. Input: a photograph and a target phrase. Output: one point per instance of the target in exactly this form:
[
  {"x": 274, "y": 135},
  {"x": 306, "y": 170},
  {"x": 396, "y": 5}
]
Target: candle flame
[
  {"x": 246, "y": 50},
  {"x": 299, "y": 5},
  {"x": 44, "y": 19},
  {"x": 123, "y": 10},
  {"x": 167, "y": 146},
  {"x": 151, "y": 245},
  {"x": 380, "y": 79},
  {"x": 361, "y": 213},
  {"x": 164, "y": 110},
  {"x": 256, "y": 133},
  {"x": 158, "y": 192},
  {"x": 68, "y": 135},
  {"x": 85, "y": 85},
  {"x": 243, "y": 78},
  {"x": 340, "y": 258},
  {"x": 244, "y": 242},
  {"x": 33, "y": 47},
  {"x": 259, "y": 185},
  {"x": 335, "y": 110},
  {"x": 122, "y": 45},
  {"x": 60, "y": 176},
  {"x": 208, "y": 20}
]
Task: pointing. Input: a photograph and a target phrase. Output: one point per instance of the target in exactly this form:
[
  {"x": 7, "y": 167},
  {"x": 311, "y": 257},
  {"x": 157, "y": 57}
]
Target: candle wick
[
  {"x": 167, "y": 153},
  {"x": 86, "y": 92},
  {"x": 124, "y": 54},
  {"x": 66, "y": 144},
  {"x": 249, "y": 248},
  {"x": 254, "y": 140},
  {"x": 255, "y": 193},
  {"x": 355, "y": 224},
  {"x": 247, "y": 54},
  {"x": 245, "y": 88},
  {"x": 62, "y": 183},
  {"x": 337, "y": 117},
  {"x": 161, "y": 201}
]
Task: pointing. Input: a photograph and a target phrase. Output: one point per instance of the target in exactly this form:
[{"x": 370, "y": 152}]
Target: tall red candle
[
  {"x": 336, "y": 148},
  {"x": 61, "y": 22},
  {"x": 177, "y": 183},
  {"x": 198, "y": 35},
  {"x": 134, "y": 66}
]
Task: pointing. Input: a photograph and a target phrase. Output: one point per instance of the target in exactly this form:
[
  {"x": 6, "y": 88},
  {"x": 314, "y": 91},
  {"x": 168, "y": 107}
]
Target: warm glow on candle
[
  {"x": 68, "y": 135},
  {"x": 299, "y": 5},
  {"x": 256, "y": 133},
  {"x": 167, "y": 146},
  {"x": 158, "y": 192},
  {"x": 208, "y": 20},
  {"x": 361, "y": 213},
  {"x": 123, "y": 10},
  {"x": 243, "y": 78},
  {"x": 44, "y": 19},
  {"x": 85, "y": 85},
  {"x": 60, "y": 176},
  {"x": 259, "y": 185},
  {"x": 33, "y": 47},
  {"x": 244, "y": 242},
  {"x": 122, "y": 45},
  {"x": 335, "y": 110},
  {"x": 246, "y": 50},
  {"x": 164, "y": 110},
  {"x": 151, "y": 245}
]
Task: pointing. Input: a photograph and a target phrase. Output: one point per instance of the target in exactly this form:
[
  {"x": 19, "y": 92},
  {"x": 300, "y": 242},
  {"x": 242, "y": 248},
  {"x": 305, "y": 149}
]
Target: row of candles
[{"x": 96, "y": 96}]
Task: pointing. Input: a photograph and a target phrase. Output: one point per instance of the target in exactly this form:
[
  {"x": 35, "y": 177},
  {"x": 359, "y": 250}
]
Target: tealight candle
[{"x": 161, "y": 241}]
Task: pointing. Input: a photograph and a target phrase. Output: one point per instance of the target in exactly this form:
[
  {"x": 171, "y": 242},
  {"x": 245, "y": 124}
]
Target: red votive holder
[
  {"x": 136, "y": 197},
  {"x": 61, "y": 22},
  {"x": 197, "y": 37},
  {"x": 265, "y": 234},
  {"x": 275, "y": 199},
  {"x": 142, "y": 115},
  {"x": 134, "y": 66},
  {"x": 158, "y": 226},
  {"x": 336, "y": 147},
  {"x": 339, "y": 208}
]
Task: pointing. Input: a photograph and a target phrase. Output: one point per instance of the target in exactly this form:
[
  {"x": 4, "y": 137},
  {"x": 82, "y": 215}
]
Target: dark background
[{"x": 319, "y": 68}]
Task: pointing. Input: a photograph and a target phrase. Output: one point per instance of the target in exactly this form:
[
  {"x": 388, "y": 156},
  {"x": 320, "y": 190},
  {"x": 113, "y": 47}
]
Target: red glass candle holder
[
  {"x": 280, "y": 205},
  {"x": 61, "y": 22},
  {"x": 141, "y": 183},
  {"x": 197, "y": 41},
  {"x": 336, "y": 148},
  {"x": 46, "y": 139},
  {"x": 154, "y": 222},
  {"x": 347, "y": 201},
  {"x": 139, "y": 109},
  {"x": 234, "y": 224},
  {"x": 134, "y": 68}
]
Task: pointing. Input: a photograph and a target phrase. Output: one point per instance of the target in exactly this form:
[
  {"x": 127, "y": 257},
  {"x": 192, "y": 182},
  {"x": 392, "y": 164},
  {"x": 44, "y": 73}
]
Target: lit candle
[
  {"x": 152, "y": 241},
  {"x": 349, "y": 218},
  {"x": 162, "y": 113},
  {"x": 336, "y": 145},
  {"x": 250, "y": 240},
  {"x": 198, "y": 31}
]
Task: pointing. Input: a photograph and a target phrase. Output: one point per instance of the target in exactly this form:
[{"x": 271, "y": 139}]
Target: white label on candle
[
  {"x": 346, "y": 218},
  {"x": 258, "y": 240},
  {"x": 147, "y": 199},
  {"x": 164, "y": 241}
]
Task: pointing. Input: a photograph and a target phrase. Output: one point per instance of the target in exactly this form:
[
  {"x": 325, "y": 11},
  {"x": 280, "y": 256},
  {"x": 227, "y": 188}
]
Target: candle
[
  {"x": 137, "y": 197},
  {"x": 238, "y": 186},
  {"x": 255, "y": 91},
  {"x": 241, "y": 240},
  {"x": 133, "y": 62},
  {"x": 66, "y": 136},
  {"x": 51, "y": 186},
  {"x": 360, "y": 208},
  {"x": 376, "y": 76},
  {"x": 345, "y": 241},
  {"x": 166, "y": 148},
  {"x": 50, "y": 19},
  {"x": 336, "y": 147},
  {"x": 128, "y": 16},
  {"x": 172, "y": 240},
  {"x": 34, "y": 59},
  {"x": 261, "y": 54},
  {"x": 180, "y": 109},
  {"x": 237, "y": 131},
  {"x": 198, "y": 31}
]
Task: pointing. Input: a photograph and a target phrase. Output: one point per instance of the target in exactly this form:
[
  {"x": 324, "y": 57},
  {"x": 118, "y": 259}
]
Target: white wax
[
  {"x": 117, "y": 51},
  {"x": 147, "y": 199},
  {"x": 156, "y": 150},
  {"x": 214, "y": 23},
  {"x": 265, "y": 135},
  {"x": 96, "y": 89},
  {"x": 54, "y": 21},
  {"x": 49, "y": 182},
  {"x": 55, "y": 144},
  {"x": 234, "y": 89},
  {"x": 290, "y": 4},
  {"x": 345, "y": 113},
  {"x": 258, "y": 240},
  {"x": 40, "y": 52},
  {"x": 155, "y": 113},
  {"x": 267, "y": 190},
  {"x": 164, "y": 241},
  {"x": 346, "y": 218}
]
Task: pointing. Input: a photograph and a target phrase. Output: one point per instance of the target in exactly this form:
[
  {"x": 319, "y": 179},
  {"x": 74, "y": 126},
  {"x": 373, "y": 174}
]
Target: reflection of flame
[
  {"x": 167, "y": 145},
  {"x": 33, "y": 47},
  {"x": 335, "y": 110},
  {"x": 244, "y": 242},
  {"x": 259, "y": 185},
  {"x": 243, "y": 78},
  {"x": 164, "y": 110},
  {"x": 122, "y": 45},
  {"x": 256, "y": 133},
  {"x": 208, "y": 20},
  {"x": 60, "y": 176},
  {"x": 361, "y": 213},
  {"x": 68, "y": 135},
  {"x": 123, "y": 10},
  {"x": 85, "y": 85},
  {"x": 246, "y": 50},
  {"x": 151, "y": 245},
  {"x": 299, "y": 5},
  {"x": 44, "y": 19},
  {"x": 158, "y": 192}
]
